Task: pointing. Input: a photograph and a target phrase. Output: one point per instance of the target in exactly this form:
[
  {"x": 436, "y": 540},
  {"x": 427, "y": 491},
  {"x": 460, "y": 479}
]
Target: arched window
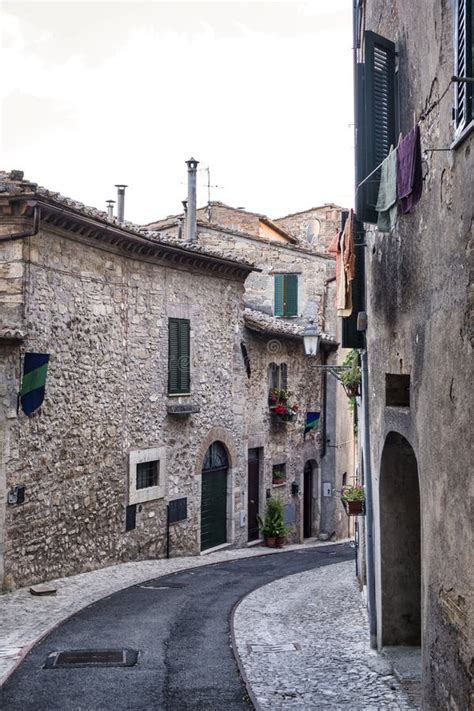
[{"x": 216, "y": 457}]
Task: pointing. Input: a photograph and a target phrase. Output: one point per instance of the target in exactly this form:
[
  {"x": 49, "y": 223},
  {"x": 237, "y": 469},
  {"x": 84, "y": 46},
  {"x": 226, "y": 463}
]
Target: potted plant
[
  {"x": 278, "y": 477},
  {"x": 273, "y": 525},
  {"x": 280, "y": 405},
  {"x": 351, "y": 376},
  {"x": 353, "y": 499}
]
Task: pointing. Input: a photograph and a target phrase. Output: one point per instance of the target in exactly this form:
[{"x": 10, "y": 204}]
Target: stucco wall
[{"x": 420, "y": 323}]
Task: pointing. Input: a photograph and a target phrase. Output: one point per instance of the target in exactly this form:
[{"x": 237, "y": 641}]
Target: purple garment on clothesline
[{"x": 409, "y": 175}]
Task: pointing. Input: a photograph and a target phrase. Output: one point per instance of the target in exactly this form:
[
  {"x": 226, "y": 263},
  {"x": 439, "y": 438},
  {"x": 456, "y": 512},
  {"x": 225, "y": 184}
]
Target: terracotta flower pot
[
  {"x": 280, "y": 541},
  {"x": 355, "y": 507},
  {"x": 270, "y": 541}
]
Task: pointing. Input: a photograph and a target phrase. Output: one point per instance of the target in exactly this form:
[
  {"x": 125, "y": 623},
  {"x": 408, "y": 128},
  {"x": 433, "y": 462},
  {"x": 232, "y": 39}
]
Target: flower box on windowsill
[
  {"x": 183, "y": 410},
  {"x": 278, "y": 482},
  {"x": 282, "y": 417}
]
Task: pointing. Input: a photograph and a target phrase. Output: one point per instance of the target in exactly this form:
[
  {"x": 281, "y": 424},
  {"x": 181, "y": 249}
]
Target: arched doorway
[
  {"x": 214, "y": 497},
  {"x": 400, "y": 542}
]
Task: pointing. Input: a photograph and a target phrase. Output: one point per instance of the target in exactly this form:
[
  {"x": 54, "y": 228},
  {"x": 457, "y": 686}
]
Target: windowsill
[
  {"x": 462, "y": 136},
  {"x": 179, "y": 394},
  {"x": 283, "y": 483}
]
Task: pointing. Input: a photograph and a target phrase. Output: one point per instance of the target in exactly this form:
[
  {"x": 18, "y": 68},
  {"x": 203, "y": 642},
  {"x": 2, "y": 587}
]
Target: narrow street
[{"x": 181, "y": 626}]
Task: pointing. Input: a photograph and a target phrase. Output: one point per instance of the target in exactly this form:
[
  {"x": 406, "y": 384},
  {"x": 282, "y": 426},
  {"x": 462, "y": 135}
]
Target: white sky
[{"x": 98, "y": 93}]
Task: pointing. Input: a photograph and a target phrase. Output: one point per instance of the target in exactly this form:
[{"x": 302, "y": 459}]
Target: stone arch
[
  {"x": 400, "y": 543},
  {"x": 217, "y": 434}
]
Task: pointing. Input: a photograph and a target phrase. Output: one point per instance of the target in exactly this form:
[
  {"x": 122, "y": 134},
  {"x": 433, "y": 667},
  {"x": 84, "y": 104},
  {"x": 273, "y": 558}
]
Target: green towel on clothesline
[{"x": 387, "y": 199}]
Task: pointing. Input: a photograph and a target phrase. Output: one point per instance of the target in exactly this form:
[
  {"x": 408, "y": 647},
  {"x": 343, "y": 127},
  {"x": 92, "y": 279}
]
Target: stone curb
[{"x": 81, "y": 600}]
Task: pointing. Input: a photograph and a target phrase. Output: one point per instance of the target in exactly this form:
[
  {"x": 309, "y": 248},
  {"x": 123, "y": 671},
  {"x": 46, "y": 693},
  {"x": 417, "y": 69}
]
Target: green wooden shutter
[
  {"x": 291, "y": 295},
  {"x": 376, "y": 123},
  {"x": 184, "y": 357},
  {"x": 179, "y": 370},
  {"x": 173, "y": 355},
  {"x": 279, "y": 295}
]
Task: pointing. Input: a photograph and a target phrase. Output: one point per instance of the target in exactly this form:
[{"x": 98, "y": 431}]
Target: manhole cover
[{"x": 91, "y": 658}]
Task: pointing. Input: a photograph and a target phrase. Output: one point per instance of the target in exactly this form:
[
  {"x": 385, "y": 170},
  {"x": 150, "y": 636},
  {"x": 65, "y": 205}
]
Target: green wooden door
[{"x": 214, "y": 498}]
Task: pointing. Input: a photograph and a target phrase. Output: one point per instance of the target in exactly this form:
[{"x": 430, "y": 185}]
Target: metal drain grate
[
  {"x": 163, "y": 586},
  {"x": 91, "y": 658},
  {"x": 267, "y": 648}
]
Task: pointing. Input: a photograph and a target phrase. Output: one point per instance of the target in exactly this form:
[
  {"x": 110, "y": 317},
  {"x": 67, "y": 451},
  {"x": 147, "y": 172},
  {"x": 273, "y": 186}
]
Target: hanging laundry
[
  {"x": 347, "y": 249},
  {"x": 334, "y": 248},
  {"x": 387, "y": 198},
  {"x": 409, "y": 174}
]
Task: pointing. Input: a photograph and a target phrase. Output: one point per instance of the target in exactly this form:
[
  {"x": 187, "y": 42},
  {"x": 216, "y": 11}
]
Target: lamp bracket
[{"x": 336, "y": 370}]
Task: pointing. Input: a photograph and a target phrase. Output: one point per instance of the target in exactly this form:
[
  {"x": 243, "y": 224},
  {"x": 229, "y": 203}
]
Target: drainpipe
[
  {"x": 26, "y": 233},
  {"x": 369, "y": 508},
  {"x": 192, "y": 164},
  {"x": 110, "y": 207},
  {"x": 121, "y": 202}
]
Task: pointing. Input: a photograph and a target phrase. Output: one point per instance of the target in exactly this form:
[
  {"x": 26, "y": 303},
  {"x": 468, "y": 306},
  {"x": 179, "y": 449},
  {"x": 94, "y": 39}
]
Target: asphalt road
[{"x": 180, "y": 624}]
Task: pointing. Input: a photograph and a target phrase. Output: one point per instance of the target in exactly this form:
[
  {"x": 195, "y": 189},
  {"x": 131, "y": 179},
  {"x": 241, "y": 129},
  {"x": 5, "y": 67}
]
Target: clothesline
[{"x": 422, "y": 117}]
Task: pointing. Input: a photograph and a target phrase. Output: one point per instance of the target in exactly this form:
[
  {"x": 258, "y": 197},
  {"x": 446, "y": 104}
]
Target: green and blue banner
[
  {"x": 312, "y": 421},
  {"x": 35, "y": 367}
]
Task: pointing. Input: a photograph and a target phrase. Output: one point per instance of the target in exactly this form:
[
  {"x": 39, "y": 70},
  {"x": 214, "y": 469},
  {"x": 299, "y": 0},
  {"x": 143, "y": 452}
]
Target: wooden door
[
  {"x": 308, "y": 501},
  {"x": 253, "y": 492},
  {"x": 214, "y": 498}
]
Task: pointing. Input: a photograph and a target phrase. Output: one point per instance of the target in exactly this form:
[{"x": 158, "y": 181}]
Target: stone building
[
  {"x": 411, "y": 65},
  {"x": 85, "y": 481},
  {"x": 155, "y": 434},
  {"x": 292, "y": 255}
]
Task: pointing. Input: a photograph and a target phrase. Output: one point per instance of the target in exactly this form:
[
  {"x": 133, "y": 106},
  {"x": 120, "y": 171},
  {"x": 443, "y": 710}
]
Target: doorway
[
  {"x": 214, "y": 497},
  {"x": 308, "y": 500},
  {"x": 400, "y": 543},
  {"x": 253, "y": 488}
]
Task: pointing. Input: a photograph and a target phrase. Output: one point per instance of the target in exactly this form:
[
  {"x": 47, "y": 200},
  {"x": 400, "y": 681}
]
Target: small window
[
  {"x": 286, "y": 295},
  {"x": 464, "y": 41},
  {"x": 179, "y": 366},
  {"x": 397, "y": 390},
  {"x": 278, "y": 376},
  {"x": 148, "y": 474},
  {"x": 278, "y": 474}
]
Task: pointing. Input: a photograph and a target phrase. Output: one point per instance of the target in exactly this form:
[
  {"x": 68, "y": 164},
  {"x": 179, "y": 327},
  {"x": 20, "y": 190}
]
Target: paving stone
[{"x": 335, "y": 669}]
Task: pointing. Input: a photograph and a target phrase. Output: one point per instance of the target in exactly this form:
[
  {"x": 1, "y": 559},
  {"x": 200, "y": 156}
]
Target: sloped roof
[
  {"x": 13, "y": 184},
  {"x": 272, "y": 326}
]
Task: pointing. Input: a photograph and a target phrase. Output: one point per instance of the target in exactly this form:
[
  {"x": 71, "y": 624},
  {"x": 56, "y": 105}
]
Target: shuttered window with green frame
[
  {"x": 286, "y": 295},
  {"x": 179, "y": 370}
]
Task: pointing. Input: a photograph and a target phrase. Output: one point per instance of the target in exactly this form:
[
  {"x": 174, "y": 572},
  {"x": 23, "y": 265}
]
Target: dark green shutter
[
  {"x": 279, "y": 295},
  {"x": 376, "y": 123},
  {"x": 291, "y": 295},
  {"x": 178, "y": 356},
  {"x": 464, "y": 63},
  {"x": 184, "y": 355}
]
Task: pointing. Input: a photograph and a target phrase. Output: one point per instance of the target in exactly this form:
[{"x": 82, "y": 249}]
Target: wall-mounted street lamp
[{"x": 312, "y": 340}]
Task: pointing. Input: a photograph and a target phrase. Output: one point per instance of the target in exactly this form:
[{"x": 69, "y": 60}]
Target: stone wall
[
  {"x": 103, "y": 319},
  {"x": 420, "y": 324},
  {"x": 323, "y": 222}
]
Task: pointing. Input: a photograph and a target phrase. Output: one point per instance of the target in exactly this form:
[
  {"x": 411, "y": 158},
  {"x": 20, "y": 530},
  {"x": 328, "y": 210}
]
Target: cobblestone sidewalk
[
  {"x": 303, "y": 642},
  {"x": 25, "y": 619}
]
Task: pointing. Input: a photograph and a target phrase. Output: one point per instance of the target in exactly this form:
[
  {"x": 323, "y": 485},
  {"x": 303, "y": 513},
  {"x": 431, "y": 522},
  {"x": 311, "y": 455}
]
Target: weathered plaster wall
[
  {"x": 420, "y": 323},
  {"x": 104, "y": 320}
]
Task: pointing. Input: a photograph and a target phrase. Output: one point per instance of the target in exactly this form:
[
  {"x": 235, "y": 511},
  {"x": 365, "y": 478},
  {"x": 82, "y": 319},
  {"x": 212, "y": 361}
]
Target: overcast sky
[{"x": 98, "y": 93}]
